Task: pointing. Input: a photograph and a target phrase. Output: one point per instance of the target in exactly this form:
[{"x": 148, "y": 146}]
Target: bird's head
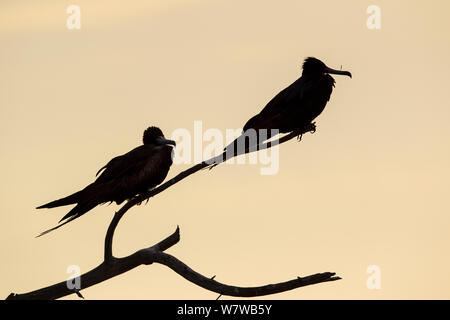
[
  {"x": 154, "y": 135},
  {"x": 313, "y": 66}
]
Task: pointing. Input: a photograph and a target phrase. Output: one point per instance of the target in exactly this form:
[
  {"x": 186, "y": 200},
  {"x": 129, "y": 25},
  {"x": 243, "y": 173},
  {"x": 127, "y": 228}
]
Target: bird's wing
[
  {"x": 134, "y": 176},
  {"x": 295, "y": 91},
  {"x": 277, "y": 107},
  {"x": 108, "y": 164},
  {"x": 147, "y": 172},
  {"x": 121, "y": 165}
]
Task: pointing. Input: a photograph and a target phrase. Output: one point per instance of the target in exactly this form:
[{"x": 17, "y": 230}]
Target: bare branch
[
  {"x": 106, "y": 270},
  {"x": 228, "y": 290},
  {"x": 154, "y": 254}
]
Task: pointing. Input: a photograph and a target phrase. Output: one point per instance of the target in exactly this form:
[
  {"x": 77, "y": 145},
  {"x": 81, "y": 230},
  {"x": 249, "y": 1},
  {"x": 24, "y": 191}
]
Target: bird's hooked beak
[
  {"x": 333, "y": 71},
  {"x": 163, "y": 141}
]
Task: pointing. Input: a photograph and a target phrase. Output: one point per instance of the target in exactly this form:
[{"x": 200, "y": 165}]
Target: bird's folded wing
[{"x": 120, "y": 165}]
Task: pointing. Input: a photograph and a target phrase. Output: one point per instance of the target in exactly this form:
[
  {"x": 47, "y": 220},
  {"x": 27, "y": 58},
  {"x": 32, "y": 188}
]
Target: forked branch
[{"x": 155, "y": 254}]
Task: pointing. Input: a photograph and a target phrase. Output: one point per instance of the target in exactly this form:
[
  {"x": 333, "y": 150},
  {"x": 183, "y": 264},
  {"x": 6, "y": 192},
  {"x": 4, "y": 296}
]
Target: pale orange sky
[{"x": 370, "y": 187}]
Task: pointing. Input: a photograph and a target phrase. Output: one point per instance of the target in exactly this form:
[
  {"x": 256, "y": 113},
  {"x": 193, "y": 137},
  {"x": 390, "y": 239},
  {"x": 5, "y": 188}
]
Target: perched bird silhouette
[
  {"x": 123, "y": 177},
  {"x": 297, "y": 105}
]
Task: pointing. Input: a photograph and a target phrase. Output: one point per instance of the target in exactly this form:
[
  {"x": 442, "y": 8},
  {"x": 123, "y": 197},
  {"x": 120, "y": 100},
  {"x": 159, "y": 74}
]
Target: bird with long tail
[
  {"x": 122, "y": 178},
  {"x": 293, "y": 108}
]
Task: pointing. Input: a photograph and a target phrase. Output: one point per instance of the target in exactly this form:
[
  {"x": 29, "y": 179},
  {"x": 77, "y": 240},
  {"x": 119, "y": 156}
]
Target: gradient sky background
[{"x": 371, "y": 186}]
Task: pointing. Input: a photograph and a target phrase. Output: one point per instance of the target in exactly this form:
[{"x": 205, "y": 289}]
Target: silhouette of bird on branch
[
  {"x": 293, "y": 108},
  {"x": 123, "y": 177}
]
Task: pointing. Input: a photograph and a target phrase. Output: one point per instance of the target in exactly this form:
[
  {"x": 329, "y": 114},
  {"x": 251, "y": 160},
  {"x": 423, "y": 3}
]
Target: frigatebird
[
  {"x": 123, "y": 177},
  {"x": 297, "y": 105}
]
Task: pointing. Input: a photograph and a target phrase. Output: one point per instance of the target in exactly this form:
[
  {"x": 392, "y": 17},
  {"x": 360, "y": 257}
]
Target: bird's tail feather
[
  {"x": 73, "y": 198},
  {"x": 76, "y": 212},
  {"x": 58, "y": 226},
  {"x": 214, "y": 161},
  {"x": 233, "y": 149},
  {"x": 243, "y": 142}
]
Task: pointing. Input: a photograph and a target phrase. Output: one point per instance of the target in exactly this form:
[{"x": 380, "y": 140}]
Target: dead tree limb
[
  {"x": 155, "y": 254},
  {"x": 112, "y": 266}
]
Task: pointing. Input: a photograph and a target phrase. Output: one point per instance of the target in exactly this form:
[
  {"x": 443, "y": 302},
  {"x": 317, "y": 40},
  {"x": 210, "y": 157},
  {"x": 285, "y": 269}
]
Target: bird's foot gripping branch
[{"x": 308, "y": 128}]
